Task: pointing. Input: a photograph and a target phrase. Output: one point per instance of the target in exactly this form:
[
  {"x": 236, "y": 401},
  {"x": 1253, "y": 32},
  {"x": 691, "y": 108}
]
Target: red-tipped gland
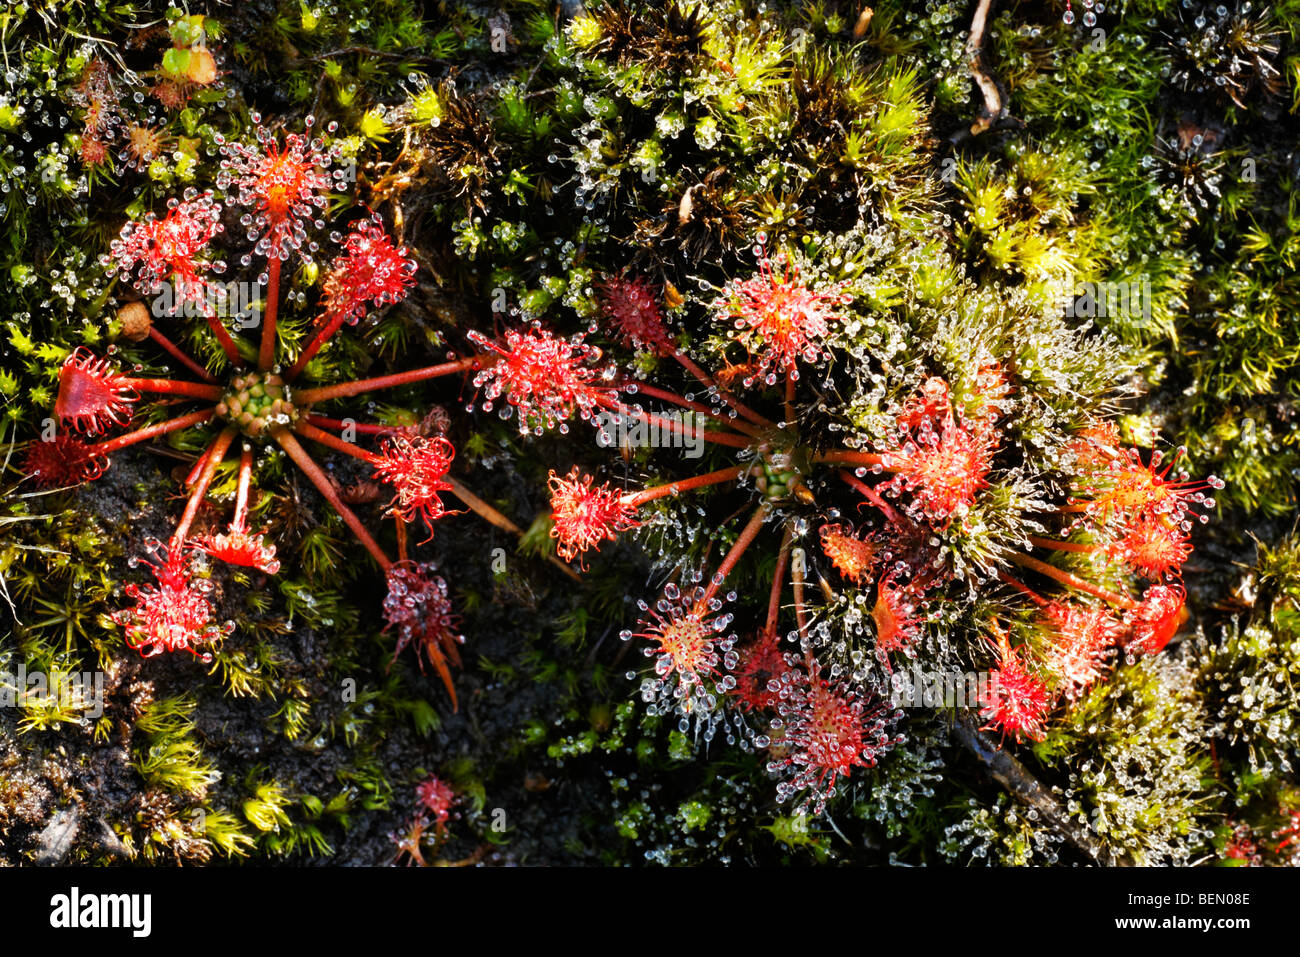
[
  {"x": 63, "y": 460},
  {"x": 416, "y": 466},
  {"x": 92, "y": 396},
  {"x": 584, "y": 515}
]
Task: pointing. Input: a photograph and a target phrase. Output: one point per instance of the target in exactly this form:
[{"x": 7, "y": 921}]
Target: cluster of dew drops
[{"x": 1090, "y": 10}]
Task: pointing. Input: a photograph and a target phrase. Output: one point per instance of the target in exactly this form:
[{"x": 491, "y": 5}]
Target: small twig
[
  {"x": 370, "y": 51},
  {"x": 988, "y": 87},
  {"x": 529, "y": 82},
  {"x": 1024, "y": 787}
]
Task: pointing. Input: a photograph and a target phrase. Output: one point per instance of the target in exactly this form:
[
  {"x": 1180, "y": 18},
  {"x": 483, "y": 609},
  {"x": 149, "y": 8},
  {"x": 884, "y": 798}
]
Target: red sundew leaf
[
  {"x": 826, "y": 729},
  {"x": 63, "y": 460},
  {"x": 944, "y": 475},
  {"x": 760, "y": 664},
  {"x": 787, "y": 320},
  {"x": 1157, "y": 619},
  {"x": 1154, "y": 546},
  {"x": 632, "y": 307},
  {"x": 240, "y": 547},
  {"x": 1095, "y": 447},
  {"x": 545, "y": 378},
  {"x": 694, "y": 656},
  {"x": 853, "y": 557},
  {"x": 584, "y": 515},
  {"x": 417, "y": 606},
  {"x": 91, "y": 394},
  {"x": 371, "y": 271},
  {"x": 285, "y": 186},
  {"x": 1017, "y": 702},
  {"x": 438, "y": 798},
  {"x": 173, "y": 615},
  {"x": 897, "y": 625},
  {"x": 155, "y": 250},
  {"x": 416, "y": 466},
  {"x": 1081, "y": 636},
  {"x": 1129, "y": 488},
  {"x": 928, "y": 410}
]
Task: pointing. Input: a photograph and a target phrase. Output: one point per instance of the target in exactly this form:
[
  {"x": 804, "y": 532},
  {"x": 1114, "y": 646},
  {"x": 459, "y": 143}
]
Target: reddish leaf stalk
[
  {"x": 673, "y": 397},
  {"x": 361, "y": 386},
  {"x": 723, "y": 394},
  {"x": 747, "y": 536},
  {"x": 662, "y": 424},
  {"x": 216, "y": 452},
  {"x": 241, "y": 491},
  {"x": 228, "y": 344},
  {"x": 151, "y": 431},
  {"x": 1062, "y": 546},
  {"x": 849, "y": 457},
  {"x": 482, "y": 508},
  {"x": 874, "y": 498},
  {"x": 789, "y": 397},
  {"x": 1073, "y": 581},
  {"x": 313, "y": 347},
  {"x": 198, "y": 467},
  {"x": 778, "y": 581},
  {"x": 365, "y": 428},
  {"x": 266, "y": 355},
  {"x": 1024, "y": 589},
  {"x": 309, "y": 431},
  {"x": 322, "y": 483},
  {"x": 493, "y": 517},
  {"x": 402, "y": 552},
  {"x": 177, "y": 353},
  {"x": 193, "y": 390},
  {"x": 637, "y": 499}
]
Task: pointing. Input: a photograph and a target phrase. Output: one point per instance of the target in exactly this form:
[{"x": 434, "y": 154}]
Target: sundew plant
[{"x": 632, "y": 433}]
